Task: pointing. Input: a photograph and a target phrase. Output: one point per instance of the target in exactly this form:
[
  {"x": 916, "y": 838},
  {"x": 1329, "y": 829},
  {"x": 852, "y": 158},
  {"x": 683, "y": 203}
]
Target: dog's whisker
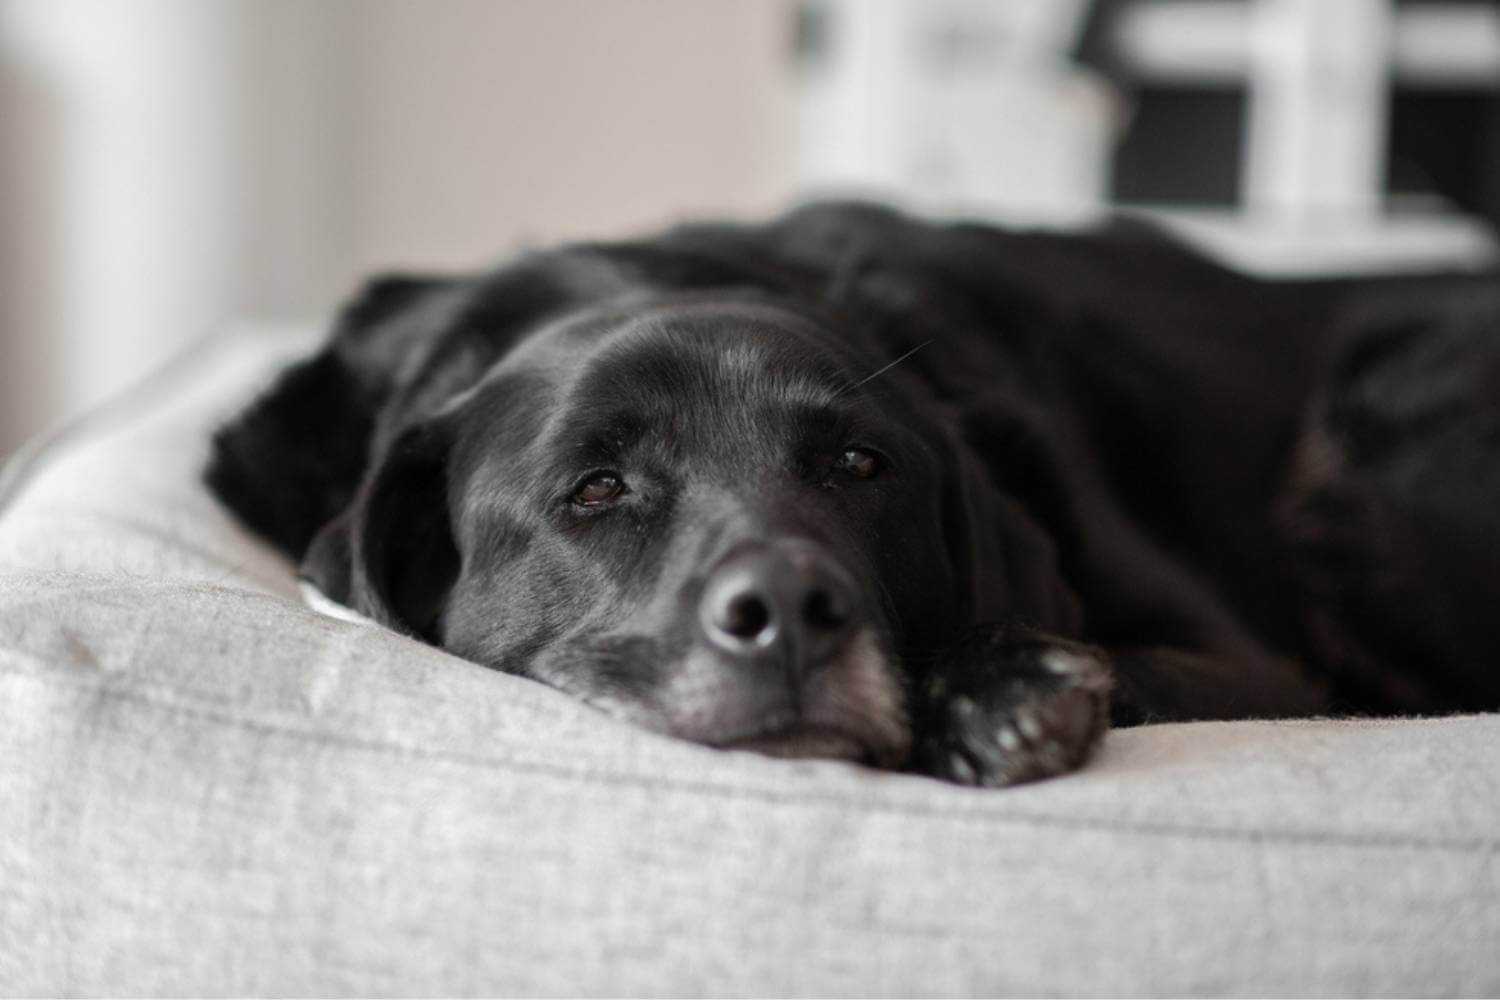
[{"x": 883, "y": 369}]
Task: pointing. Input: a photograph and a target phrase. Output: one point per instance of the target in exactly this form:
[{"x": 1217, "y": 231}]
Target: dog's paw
[{"x": 1004, "y": 710}]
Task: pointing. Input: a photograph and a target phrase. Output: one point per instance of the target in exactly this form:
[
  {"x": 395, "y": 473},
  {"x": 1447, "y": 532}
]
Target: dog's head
[{"x": 698, "y": 511}]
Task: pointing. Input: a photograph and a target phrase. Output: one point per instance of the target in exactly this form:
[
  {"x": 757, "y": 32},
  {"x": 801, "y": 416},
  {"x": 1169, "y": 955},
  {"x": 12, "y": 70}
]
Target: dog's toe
[{"x": 1040, "y": 712}]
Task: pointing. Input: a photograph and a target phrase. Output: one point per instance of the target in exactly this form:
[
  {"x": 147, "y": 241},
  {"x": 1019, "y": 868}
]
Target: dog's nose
[{"x": 790, "y": 598}]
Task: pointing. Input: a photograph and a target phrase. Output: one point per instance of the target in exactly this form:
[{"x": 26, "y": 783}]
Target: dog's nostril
[
  {"x": 745, "y": 617},
  {"x": 787, "y": 603},
  {"x": 823, "y": 610}
]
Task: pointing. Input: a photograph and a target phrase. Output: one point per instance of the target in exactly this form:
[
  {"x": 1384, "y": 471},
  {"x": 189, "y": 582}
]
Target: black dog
[{"x": 851, "y": 484}]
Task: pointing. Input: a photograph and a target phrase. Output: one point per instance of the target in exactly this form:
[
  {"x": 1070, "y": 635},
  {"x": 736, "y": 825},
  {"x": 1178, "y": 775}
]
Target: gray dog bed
[{"x": 206, "y": 787}]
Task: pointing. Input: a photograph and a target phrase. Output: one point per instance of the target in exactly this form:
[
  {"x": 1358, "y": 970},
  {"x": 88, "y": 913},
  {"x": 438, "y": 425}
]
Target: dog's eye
[
  {"x": 859, "y": 463},
  {"x": 599, "y": 489}
]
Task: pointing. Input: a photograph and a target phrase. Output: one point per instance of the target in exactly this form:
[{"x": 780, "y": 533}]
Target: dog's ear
[
  {"x": 391, "y": 555},
  {"x": 1008, "y": 559},
  {"x": 292, "y": 460}
]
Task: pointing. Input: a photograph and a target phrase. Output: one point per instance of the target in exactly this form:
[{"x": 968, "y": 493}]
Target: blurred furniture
[
  {"x": 210, "y": 789},
  {"x": 952, "y": 105},
  {"x": 1290, "y": 135}
]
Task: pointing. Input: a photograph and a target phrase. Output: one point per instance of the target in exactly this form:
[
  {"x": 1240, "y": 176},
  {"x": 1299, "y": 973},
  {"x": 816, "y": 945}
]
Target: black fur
[{"x": 1109, "y": 463}]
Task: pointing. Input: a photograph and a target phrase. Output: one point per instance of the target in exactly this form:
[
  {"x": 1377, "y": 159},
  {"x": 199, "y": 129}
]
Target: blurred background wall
[{"x": 168, "y": 166}]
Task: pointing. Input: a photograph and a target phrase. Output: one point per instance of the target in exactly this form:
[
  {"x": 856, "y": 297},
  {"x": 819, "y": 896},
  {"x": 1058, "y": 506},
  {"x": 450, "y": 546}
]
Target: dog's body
[{"x": 856, "y": 485}]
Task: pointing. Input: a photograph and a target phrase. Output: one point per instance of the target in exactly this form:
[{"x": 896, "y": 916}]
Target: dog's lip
[{"x": 802, "y": 739}]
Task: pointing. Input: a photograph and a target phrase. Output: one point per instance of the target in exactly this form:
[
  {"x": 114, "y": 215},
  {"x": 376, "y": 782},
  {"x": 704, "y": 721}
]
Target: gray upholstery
[{"x": 206, "y": 787}]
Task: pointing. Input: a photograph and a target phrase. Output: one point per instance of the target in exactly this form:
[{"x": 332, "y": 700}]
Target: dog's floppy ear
[
  {"x": 391, "y": 555},
  {"x": 1008, "y": 559},
  {"x": 292, "y": 460}
]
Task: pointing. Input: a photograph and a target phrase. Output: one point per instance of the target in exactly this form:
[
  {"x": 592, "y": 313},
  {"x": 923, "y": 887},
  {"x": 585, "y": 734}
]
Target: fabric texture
[{"x": 206, "y": 787}]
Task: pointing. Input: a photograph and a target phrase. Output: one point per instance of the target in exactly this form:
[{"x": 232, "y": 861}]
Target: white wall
[
  {"x": 122, "y": 227},
  {"x": 166, "y": 165},
  {"x": 486, "y": 123}
]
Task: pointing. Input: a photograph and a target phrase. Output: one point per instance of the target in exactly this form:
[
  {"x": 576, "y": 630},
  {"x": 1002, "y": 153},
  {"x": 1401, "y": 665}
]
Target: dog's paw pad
[{"x": 1045, "y": 719}]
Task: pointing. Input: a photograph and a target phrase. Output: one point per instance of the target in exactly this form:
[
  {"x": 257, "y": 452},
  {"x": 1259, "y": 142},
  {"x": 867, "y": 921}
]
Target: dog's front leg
[{"x": 1007, "y": 705}]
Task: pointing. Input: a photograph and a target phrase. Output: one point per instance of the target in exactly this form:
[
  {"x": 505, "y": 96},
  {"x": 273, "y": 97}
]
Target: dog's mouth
[
  {"x": 852, "y": 711},
  {"x": 803, "y": 739}
]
